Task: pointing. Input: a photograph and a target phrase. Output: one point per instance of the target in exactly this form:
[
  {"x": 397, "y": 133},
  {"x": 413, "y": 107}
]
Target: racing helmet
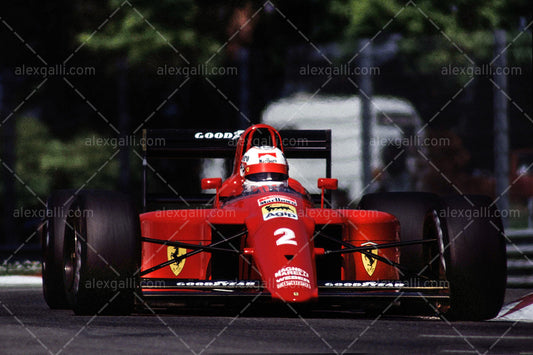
[{"x": 264, "y": 165}]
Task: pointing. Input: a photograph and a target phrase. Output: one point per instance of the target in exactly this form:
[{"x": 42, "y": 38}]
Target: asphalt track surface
[{"x": 28, "y": 326}]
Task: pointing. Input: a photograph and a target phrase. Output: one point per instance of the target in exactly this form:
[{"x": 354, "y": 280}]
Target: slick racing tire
[
  {"x": 102, "y": 254},
  {"x": 476, "y": 261},
  {"x": 419, "y": 219},
  {"x": 52, "y": 235}
]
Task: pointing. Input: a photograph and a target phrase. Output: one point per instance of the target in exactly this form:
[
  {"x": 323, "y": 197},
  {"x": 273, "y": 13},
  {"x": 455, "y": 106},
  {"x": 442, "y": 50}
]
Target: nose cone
[
  {"x": 285, "y": 259},
  {"x": 293, "y": 284}
]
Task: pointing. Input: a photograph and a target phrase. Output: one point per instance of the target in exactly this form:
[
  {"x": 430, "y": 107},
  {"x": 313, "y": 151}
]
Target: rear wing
[{"x": 190, "y": 144}]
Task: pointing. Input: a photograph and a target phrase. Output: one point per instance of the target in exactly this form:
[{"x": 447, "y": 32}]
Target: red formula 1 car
[{"x": 262, "y": 236}]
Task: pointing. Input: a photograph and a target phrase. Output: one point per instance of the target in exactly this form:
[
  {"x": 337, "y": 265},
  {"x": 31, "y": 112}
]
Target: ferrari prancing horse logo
[
  {"x": 369, "y": 262},
  {"x": 171, "y": 253}
]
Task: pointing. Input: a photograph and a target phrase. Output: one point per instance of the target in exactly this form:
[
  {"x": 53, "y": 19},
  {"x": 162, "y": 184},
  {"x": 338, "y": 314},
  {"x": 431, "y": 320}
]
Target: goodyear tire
[
  {"x": 102, "y": 254},
  {"x": 52, "y": 236},
  {"x": 418, "y": 215},
  {"x": 475, "y": 259}
]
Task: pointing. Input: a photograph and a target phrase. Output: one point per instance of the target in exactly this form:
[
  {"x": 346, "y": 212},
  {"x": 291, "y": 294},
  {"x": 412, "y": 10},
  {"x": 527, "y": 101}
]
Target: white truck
[
  {"x": 395, "y": 123},
  {"x": 395, "y": 133}
]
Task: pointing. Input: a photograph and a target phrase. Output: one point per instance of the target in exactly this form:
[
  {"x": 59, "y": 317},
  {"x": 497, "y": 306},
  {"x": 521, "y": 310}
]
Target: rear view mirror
[
  {"x": 328, "y": 184},
  {"x": 211, "y": 183}
]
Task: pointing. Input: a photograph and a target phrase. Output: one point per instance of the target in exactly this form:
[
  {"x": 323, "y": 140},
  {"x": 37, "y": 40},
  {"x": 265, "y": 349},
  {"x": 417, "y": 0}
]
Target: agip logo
[{"x": 279, "y": 210}]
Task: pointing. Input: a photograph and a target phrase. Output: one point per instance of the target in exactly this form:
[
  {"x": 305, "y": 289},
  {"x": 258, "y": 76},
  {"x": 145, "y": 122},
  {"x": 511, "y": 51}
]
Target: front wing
[{"x": 353, "y": 293}]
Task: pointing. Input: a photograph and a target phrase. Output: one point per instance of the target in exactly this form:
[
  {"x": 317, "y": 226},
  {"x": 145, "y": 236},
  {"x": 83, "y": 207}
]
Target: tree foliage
[
  {"x": 151, "y": 31},
  {"x": 46, "y": 163},
  {"x": 53, "y": 125},
  {"x": 435, "y": 33}
]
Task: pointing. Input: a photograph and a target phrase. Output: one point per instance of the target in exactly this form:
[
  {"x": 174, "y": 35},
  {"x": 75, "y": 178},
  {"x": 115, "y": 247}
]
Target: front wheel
[
  {"x": 417, "y": 214},
  {"x": 102, "y": 254},
  {"x": 52, "y": 236},
  {"x": 469, "y": 253},
  {"x": 476, "y": 260}
]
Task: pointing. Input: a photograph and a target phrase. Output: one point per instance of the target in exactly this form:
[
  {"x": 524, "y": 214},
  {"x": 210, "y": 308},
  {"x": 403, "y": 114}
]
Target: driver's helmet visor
[
  {"x": 267, "y": 176},
  {"x": 266, "y": 172}
]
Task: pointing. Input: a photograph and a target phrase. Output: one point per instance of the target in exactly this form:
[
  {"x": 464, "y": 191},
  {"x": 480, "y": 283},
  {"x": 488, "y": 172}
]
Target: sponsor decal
[
  {"x": 292, "y": 276},
  {"x": 369, "y": 262},
  {"x": 279, "y": 210},
  {"x": 286, "y": 236},
  {"x": 218, "y": 135},
  {"x": 276, "y": 199},
  {"x": 365, "y": 284},
  {"x": 271, "y": 155},
  {"x": 219, "y": 284},
  {"x": 172, "y": 252},
  {"x": 267, "y": 157}
]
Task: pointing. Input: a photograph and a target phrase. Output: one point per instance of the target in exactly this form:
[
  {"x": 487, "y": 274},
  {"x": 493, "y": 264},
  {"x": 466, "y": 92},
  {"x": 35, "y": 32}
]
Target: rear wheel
[
  {"x": 102, "y": 254},
  {"x": 476, "y": 258},
  {"x": 52, "y": 236}
]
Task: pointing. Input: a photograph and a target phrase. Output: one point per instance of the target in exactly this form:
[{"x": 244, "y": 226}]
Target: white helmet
[{"x": 264, "y": 165}]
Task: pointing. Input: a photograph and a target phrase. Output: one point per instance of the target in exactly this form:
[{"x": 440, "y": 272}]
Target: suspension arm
[{"x": 198, "y": 249}]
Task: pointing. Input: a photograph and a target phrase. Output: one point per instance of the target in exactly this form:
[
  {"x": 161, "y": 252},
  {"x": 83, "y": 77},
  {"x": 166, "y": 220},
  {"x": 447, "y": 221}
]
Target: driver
[{"x": 264, "y": 167}]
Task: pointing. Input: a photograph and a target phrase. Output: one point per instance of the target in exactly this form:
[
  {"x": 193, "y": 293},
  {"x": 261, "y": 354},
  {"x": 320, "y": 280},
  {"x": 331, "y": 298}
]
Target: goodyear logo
[{"x": 279, "y": 210}]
